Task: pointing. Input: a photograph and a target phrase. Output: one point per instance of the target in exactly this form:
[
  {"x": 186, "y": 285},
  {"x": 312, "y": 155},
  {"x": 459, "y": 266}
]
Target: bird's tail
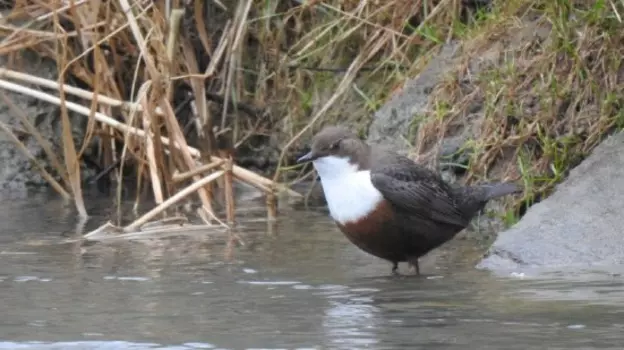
[
  {"x": 473, "y": 198},
  {"x": 500, "y": 189}
]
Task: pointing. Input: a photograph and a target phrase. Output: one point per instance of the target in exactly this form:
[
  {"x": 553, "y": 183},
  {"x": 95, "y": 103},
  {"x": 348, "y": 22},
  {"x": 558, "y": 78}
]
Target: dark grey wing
[{"x": 417, "y": 191}]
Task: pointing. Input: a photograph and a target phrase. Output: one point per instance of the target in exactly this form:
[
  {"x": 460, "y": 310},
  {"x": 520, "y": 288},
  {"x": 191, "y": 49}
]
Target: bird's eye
[{"x": 334, "y": 146}]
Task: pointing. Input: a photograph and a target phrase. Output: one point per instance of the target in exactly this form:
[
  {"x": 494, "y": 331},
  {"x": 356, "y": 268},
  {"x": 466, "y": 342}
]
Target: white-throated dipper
[{"x": 388, "y": 205}]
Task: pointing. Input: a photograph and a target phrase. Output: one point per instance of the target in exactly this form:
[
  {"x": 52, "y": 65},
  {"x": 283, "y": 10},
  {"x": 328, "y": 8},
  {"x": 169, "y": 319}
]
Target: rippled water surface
[{"x": 297, "y": 285}]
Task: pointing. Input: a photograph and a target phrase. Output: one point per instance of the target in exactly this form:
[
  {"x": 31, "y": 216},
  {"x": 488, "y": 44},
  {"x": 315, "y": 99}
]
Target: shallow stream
[{"x": 296, "y": 285}]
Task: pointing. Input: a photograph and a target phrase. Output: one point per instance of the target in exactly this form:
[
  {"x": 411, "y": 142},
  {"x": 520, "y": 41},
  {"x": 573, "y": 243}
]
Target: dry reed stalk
[
  {"x": 129, "y": 141},
  {"x": 219, "y": 53},
  {"x": 149, "y": 147},
  {"x": 110, "y": 232},
  {"x": 72, "y": 4},
  {"x": 174, "y": 220},
  {"x": 178, "y": 177},
  {"x": 271, "y": 202},
  {"x": 180, "y": 142},
  {"x": 109, "y": 226},
  {"x": 262, "y": 187},
  {"x": 228, "y": 191},
  {"x": 85, "y": 15},
  {"x": 199, "y": 91},
  {"x": 173, "y": 200},
  {"x": 201, "y": 28},
  {"x": 172, "y": 40},
  {"x": 69, "y": 149},
  {"x": 199, "y": 107},
  {"x": 204, "y": 120},
  {"x": 235, "y": 52},
  {"x": 138, "y": 36},
  {"x": 88, "y": 95}
]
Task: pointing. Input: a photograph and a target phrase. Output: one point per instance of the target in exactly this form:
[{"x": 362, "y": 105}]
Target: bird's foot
[
  {"x": 395, "y": 269},
  {"x": 413, "y": 263}
]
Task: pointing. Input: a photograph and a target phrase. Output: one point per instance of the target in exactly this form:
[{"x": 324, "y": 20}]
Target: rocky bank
[{"x": 579, "y": 225}]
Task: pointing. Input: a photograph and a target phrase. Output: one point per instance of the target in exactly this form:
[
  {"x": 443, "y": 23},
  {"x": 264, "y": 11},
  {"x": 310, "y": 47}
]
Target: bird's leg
[
  {"x": 414, "y": 263},
  {"x": 395, "y": 268}
]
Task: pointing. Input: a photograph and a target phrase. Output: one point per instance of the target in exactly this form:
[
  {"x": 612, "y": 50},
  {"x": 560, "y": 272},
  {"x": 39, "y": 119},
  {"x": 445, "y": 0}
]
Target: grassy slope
[{"x": 544, "y": 80}]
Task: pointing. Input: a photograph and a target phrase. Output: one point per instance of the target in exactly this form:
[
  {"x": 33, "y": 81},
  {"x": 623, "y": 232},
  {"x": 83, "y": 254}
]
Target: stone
[
  {"x": 391, "y": 123},
  {"x": 578, "y": 226}
]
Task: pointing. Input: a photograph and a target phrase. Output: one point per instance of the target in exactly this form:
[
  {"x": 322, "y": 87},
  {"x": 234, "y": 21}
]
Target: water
[{"x": 299, "y": 285}]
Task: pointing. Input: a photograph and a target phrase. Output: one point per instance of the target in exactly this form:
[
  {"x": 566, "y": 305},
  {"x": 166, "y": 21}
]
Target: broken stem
[{"x": 173, "y": 200}]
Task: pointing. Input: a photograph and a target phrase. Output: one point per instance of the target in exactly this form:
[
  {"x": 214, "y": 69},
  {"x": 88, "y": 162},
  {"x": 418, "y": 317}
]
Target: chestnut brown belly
[
  {"x": 396, "y": 238},
  {"x": 382, "y": 243}
]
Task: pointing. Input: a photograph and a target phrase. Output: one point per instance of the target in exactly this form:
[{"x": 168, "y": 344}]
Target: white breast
[{"x": 350, "y": 194}]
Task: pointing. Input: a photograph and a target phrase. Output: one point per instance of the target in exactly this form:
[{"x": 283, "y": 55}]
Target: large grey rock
[
  {"x": 391, "y": 123},
  {"x": 580, "y": 225}
]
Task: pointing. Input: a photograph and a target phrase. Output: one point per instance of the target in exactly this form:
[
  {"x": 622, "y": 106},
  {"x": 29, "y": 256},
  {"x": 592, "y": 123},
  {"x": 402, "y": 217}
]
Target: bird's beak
[{"x": 306, "y": 158}]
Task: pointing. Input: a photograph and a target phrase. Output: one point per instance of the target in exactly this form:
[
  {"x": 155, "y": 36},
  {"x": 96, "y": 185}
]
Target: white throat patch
[{"x": 350, "y": 194}]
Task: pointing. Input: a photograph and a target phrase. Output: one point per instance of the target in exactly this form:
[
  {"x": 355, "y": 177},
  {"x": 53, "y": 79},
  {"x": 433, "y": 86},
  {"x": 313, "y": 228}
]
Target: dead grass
[{"x": 544, "y": 80}]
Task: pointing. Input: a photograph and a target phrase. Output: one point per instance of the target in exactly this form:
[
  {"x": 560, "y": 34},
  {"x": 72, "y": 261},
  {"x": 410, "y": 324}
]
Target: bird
[{"x": 388, "y": 205}]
